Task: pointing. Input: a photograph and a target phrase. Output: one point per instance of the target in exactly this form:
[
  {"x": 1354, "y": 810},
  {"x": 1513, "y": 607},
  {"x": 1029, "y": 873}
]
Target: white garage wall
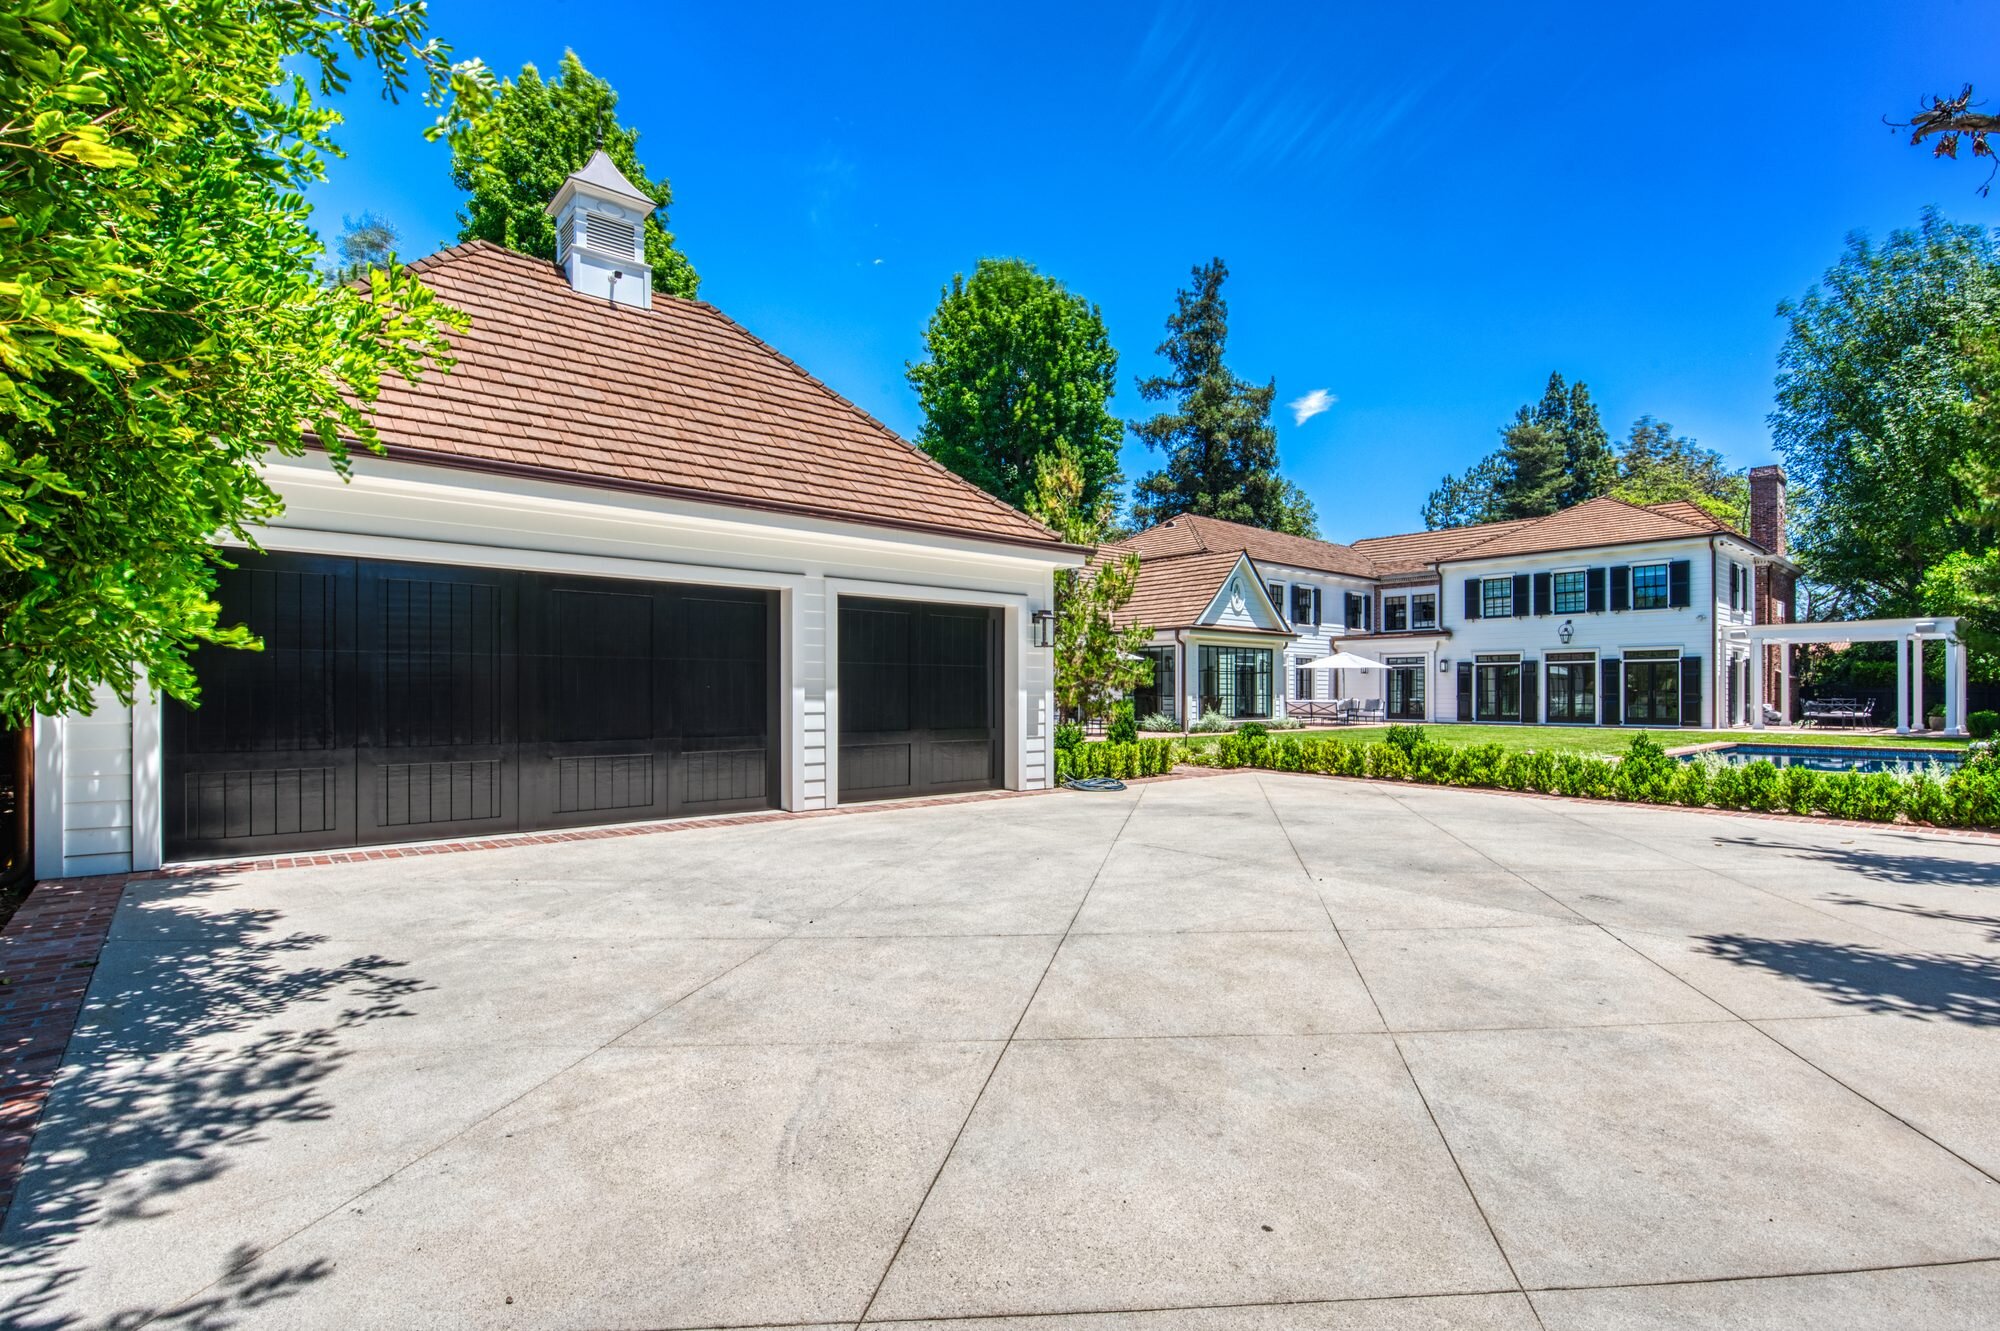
[{"x": 393, "y": 510}]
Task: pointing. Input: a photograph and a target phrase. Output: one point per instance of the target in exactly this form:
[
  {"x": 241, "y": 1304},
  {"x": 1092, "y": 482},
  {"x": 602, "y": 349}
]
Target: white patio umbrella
[{"x": 1340, "y": 661}]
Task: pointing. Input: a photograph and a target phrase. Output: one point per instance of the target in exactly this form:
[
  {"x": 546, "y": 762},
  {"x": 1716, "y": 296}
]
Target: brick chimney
[{"x": 1767, "y": 508}]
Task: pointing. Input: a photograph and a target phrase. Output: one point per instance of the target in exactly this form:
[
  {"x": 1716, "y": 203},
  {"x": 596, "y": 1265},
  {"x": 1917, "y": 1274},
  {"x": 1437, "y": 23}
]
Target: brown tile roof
[
  {"x": 1174, "y": 590},
  {"x": 1419, "y": 551},
  {"x": 1191, "y": 532},
  {"x": 1595, "y": 522},
  {"x": 677, "y": 400}
]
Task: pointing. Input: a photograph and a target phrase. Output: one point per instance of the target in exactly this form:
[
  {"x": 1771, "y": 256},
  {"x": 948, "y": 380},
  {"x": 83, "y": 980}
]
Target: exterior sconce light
[
  {"x": 1044, "y": 622},
  {"x": 1444, "y": 665},
  {"x": 1566, "y": 632}
]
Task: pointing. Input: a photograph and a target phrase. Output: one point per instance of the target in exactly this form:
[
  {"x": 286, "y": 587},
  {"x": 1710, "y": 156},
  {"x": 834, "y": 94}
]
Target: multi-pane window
[
  {"x": 1496, "y": 597},
  {"x": 1569, "y": 592},
  {"x": 1497, "y": 688},
  {"x": 1650, "y": 587},
  {"x": 1395, "y": 614},
  {"x": 1277, "y": 590},
  {"x": 1236, "y": 681},
  {"x": 1652, "y": 687},
  {"x": 1302, "y": 684},
  {"x": 1302, "y": 604},
  {"x": 1157, "y": 695},
  {"x": 1424, "y": 610},
  {"x": 1572, "y": 691}
]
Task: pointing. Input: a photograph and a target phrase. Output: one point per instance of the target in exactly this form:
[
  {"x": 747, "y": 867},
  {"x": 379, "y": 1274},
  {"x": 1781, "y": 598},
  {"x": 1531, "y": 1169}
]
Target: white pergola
[{"x": 1909, "y": 635}]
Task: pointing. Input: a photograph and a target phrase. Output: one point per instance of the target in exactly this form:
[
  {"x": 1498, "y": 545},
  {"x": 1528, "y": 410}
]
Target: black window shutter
[
  {"x": 1531, "y": 704},
  {"x": 1690, "y": 690},
  {"x": 1680, "y": 583},
  {"x": 1465, "y": 689},
  {"x": 1521, "y": 585},
  {"x": 1368, "y": 612},
  {"x": 1593, "y": 590},
  {"x": 1472, "y": 598},
  {"x": 1609, "y": 696},
  {"x": 1543, "y": 596},
  {"x": 1621, "y": 587},
  {"x": 1316, "y": 608}
]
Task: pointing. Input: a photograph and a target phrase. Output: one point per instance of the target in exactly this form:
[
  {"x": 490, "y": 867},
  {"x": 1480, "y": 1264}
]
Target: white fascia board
[
  {"x": 1638, "y": 552},
  {"x": 477, "y": 508}
]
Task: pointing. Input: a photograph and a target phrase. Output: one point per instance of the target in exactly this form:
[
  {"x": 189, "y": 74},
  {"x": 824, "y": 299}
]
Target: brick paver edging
[
  {"x": 49, "y": 948},
  {"x": 46, "y": 957}
]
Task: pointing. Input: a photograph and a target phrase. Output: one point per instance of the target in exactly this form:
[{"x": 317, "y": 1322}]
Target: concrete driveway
[{"x": 1247, "y": 1051}]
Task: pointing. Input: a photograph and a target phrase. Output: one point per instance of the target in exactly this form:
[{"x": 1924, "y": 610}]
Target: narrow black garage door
[
  {"x": 405, "y": 702},
  {"x": 919, "y": 699}
]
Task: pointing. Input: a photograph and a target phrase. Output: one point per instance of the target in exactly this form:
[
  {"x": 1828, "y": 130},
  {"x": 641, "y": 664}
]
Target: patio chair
[
  {"x": 1371, "y": 710},
  {"x": 1347, "y": 712}
]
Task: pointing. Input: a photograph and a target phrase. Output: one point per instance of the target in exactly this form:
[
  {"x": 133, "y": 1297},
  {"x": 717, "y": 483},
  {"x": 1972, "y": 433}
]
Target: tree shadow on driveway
[
  {"x": 1940, "y": 986},
  {"x": 1913, "y": 866},
  {"x": 159, "y": 1100}
]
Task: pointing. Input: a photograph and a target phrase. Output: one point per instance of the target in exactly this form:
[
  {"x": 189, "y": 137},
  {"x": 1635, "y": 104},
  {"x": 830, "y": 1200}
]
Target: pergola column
[
  {"x": 1757, "y": 656},
  {"x": 1903, "y": 685},
  {"x": 1954, "y": 687},
  {"x": 1917, "y": 682},
  {"x": 1784, "y": 684}
]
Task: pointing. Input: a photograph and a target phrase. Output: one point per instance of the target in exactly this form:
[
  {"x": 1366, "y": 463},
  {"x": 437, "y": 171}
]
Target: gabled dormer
[{"x": 601, "y": 233}]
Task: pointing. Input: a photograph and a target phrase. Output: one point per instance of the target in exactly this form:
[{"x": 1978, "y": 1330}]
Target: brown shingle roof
[
  {"x": 1419, "y": 551},
  {"x": 1173, "y": 590},
  {"x": 1595, "y": 522},
  {"x": 1604, "y": 521},
  {"x": 678, "y": 399},
  {"x": 1191, "y": 532}
]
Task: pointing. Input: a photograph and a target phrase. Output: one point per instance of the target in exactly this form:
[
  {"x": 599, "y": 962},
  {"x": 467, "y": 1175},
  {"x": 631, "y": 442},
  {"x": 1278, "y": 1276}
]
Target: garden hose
[{"x": 1094, "y": 783}]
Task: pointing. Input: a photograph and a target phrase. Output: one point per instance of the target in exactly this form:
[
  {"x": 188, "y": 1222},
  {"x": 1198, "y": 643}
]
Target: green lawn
[{"x": 1615, "y": 740}]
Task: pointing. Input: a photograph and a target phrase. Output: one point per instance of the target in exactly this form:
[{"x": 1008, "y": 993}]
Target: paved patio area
[{"x": 1253, "y": 1051}]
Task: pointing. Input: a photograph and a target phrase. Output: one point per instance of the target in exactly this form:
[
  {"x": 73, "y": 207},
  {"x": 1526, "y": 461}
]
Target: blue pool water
[{"x": 1826, "y": 758}]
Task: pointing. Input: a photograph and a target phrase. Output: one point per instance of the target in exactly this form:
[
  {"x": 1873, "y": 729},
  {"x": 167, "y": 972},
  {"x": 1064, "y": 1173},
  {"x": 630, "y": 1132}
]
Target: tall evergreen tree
[
  {"x": 1221, "y": 450},
  {"x": 536, "y": 134},
  {"x": 1018, "y": 369},
  {"x": 1552, "y": 455}
]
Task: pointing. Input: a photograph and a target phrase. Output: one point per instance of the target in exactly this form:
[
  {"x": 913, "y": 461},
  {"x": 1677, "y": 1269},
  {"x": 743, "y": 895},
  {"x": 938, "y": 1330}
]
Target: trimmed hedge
[{"x": 1968, "y": 796}]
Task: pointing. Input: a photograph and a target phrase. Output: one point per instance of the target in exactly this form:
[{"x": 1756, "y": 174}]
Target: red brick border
[{"x": 47, "y": 953}]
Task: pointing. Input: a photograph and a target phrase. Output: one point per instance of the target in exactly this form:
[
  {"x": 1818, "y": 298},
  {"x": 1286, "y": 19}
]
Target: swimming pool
[{"x": 1830, "y": 758}]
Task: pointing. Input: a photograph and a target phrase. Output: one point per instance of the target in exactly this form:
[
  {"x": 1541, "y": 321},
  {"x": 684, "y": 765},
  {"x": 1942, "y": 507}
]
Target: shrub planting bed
[{"x": 1968, "y": 796}]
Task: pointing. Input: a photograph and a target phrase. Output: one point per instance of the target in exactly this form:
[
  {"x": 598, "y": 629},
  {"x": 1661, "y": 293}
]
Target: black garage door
[
  {"x": 405, "y": 702},
  {"x": 919, "y": 699}
]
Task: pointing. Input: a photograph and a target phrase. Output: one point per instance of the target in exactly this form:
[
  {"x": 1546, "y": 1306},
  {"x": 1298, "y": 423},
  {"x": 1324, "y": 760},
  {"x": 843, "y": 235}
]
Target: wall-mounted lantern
[
  {"x": 1566, "y": 632},
  {"x": 1044, "y": 622},
  {"x": 1444, "y": 665}
]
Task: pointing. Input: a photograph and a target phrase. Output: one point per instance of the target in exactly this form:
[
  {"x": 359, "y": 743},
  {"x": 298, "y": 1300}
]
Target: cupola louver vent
[{"x": 610, "y": 235}]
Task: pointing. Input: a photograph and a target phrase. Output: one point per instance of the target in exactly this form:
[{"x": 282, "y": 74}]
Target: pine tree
[
  {"x": 1552, "y": 455},
  {"x": 1221, "y": 450}
]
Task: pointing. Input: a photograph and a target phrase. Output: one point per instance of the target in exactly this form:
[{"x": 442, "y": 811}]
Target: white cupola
[{"x": 601, "y": 233}]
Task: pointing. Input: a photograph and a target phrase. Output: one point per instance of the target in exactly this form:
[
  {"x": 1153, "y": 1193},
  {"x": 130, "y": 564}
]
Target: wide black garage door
[
  {"x": 406, "y": 702},
  {"x": 919, "y": 699}
]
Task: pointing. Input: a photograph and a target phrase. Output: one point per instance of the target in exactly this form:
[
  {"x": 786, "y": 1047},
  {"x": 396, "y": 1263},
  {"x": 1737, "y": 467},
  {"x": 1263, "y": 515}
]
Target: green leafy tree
[
  {"x": 536, "y": 134},
  {"x": 365, "y": 243},
  {"x": 1872, "y": 417},
  {"x": 1656, "y": 466},
  {"x": 1472, "y": 496},
  {"x": 1017, "y": 369},
  {"x": 163, "y": 321},
  {"x": 1095, "y": 660},
  {"x": 1554, "y": 454},
  {"x": 1221, "y": 451}
]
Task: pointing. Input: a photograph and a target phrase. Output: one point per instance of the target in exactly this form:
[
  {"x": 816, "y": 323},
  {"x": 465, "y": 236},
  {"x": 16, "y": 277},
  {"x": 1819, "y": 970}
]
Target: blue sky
[{"x": 1425, "y": 209}]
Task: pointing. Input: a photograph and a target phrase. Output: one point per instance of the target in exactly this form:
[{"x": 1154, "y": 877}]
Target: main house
[
  {"x": 1607, "y": 613},
  {"x": 624, "y": 562}
]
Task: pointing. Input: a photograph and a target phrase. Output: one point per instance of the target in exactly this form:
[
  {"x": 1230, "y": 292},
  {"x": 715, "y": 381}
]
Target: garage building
[{"x": 623, "y": 562}]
